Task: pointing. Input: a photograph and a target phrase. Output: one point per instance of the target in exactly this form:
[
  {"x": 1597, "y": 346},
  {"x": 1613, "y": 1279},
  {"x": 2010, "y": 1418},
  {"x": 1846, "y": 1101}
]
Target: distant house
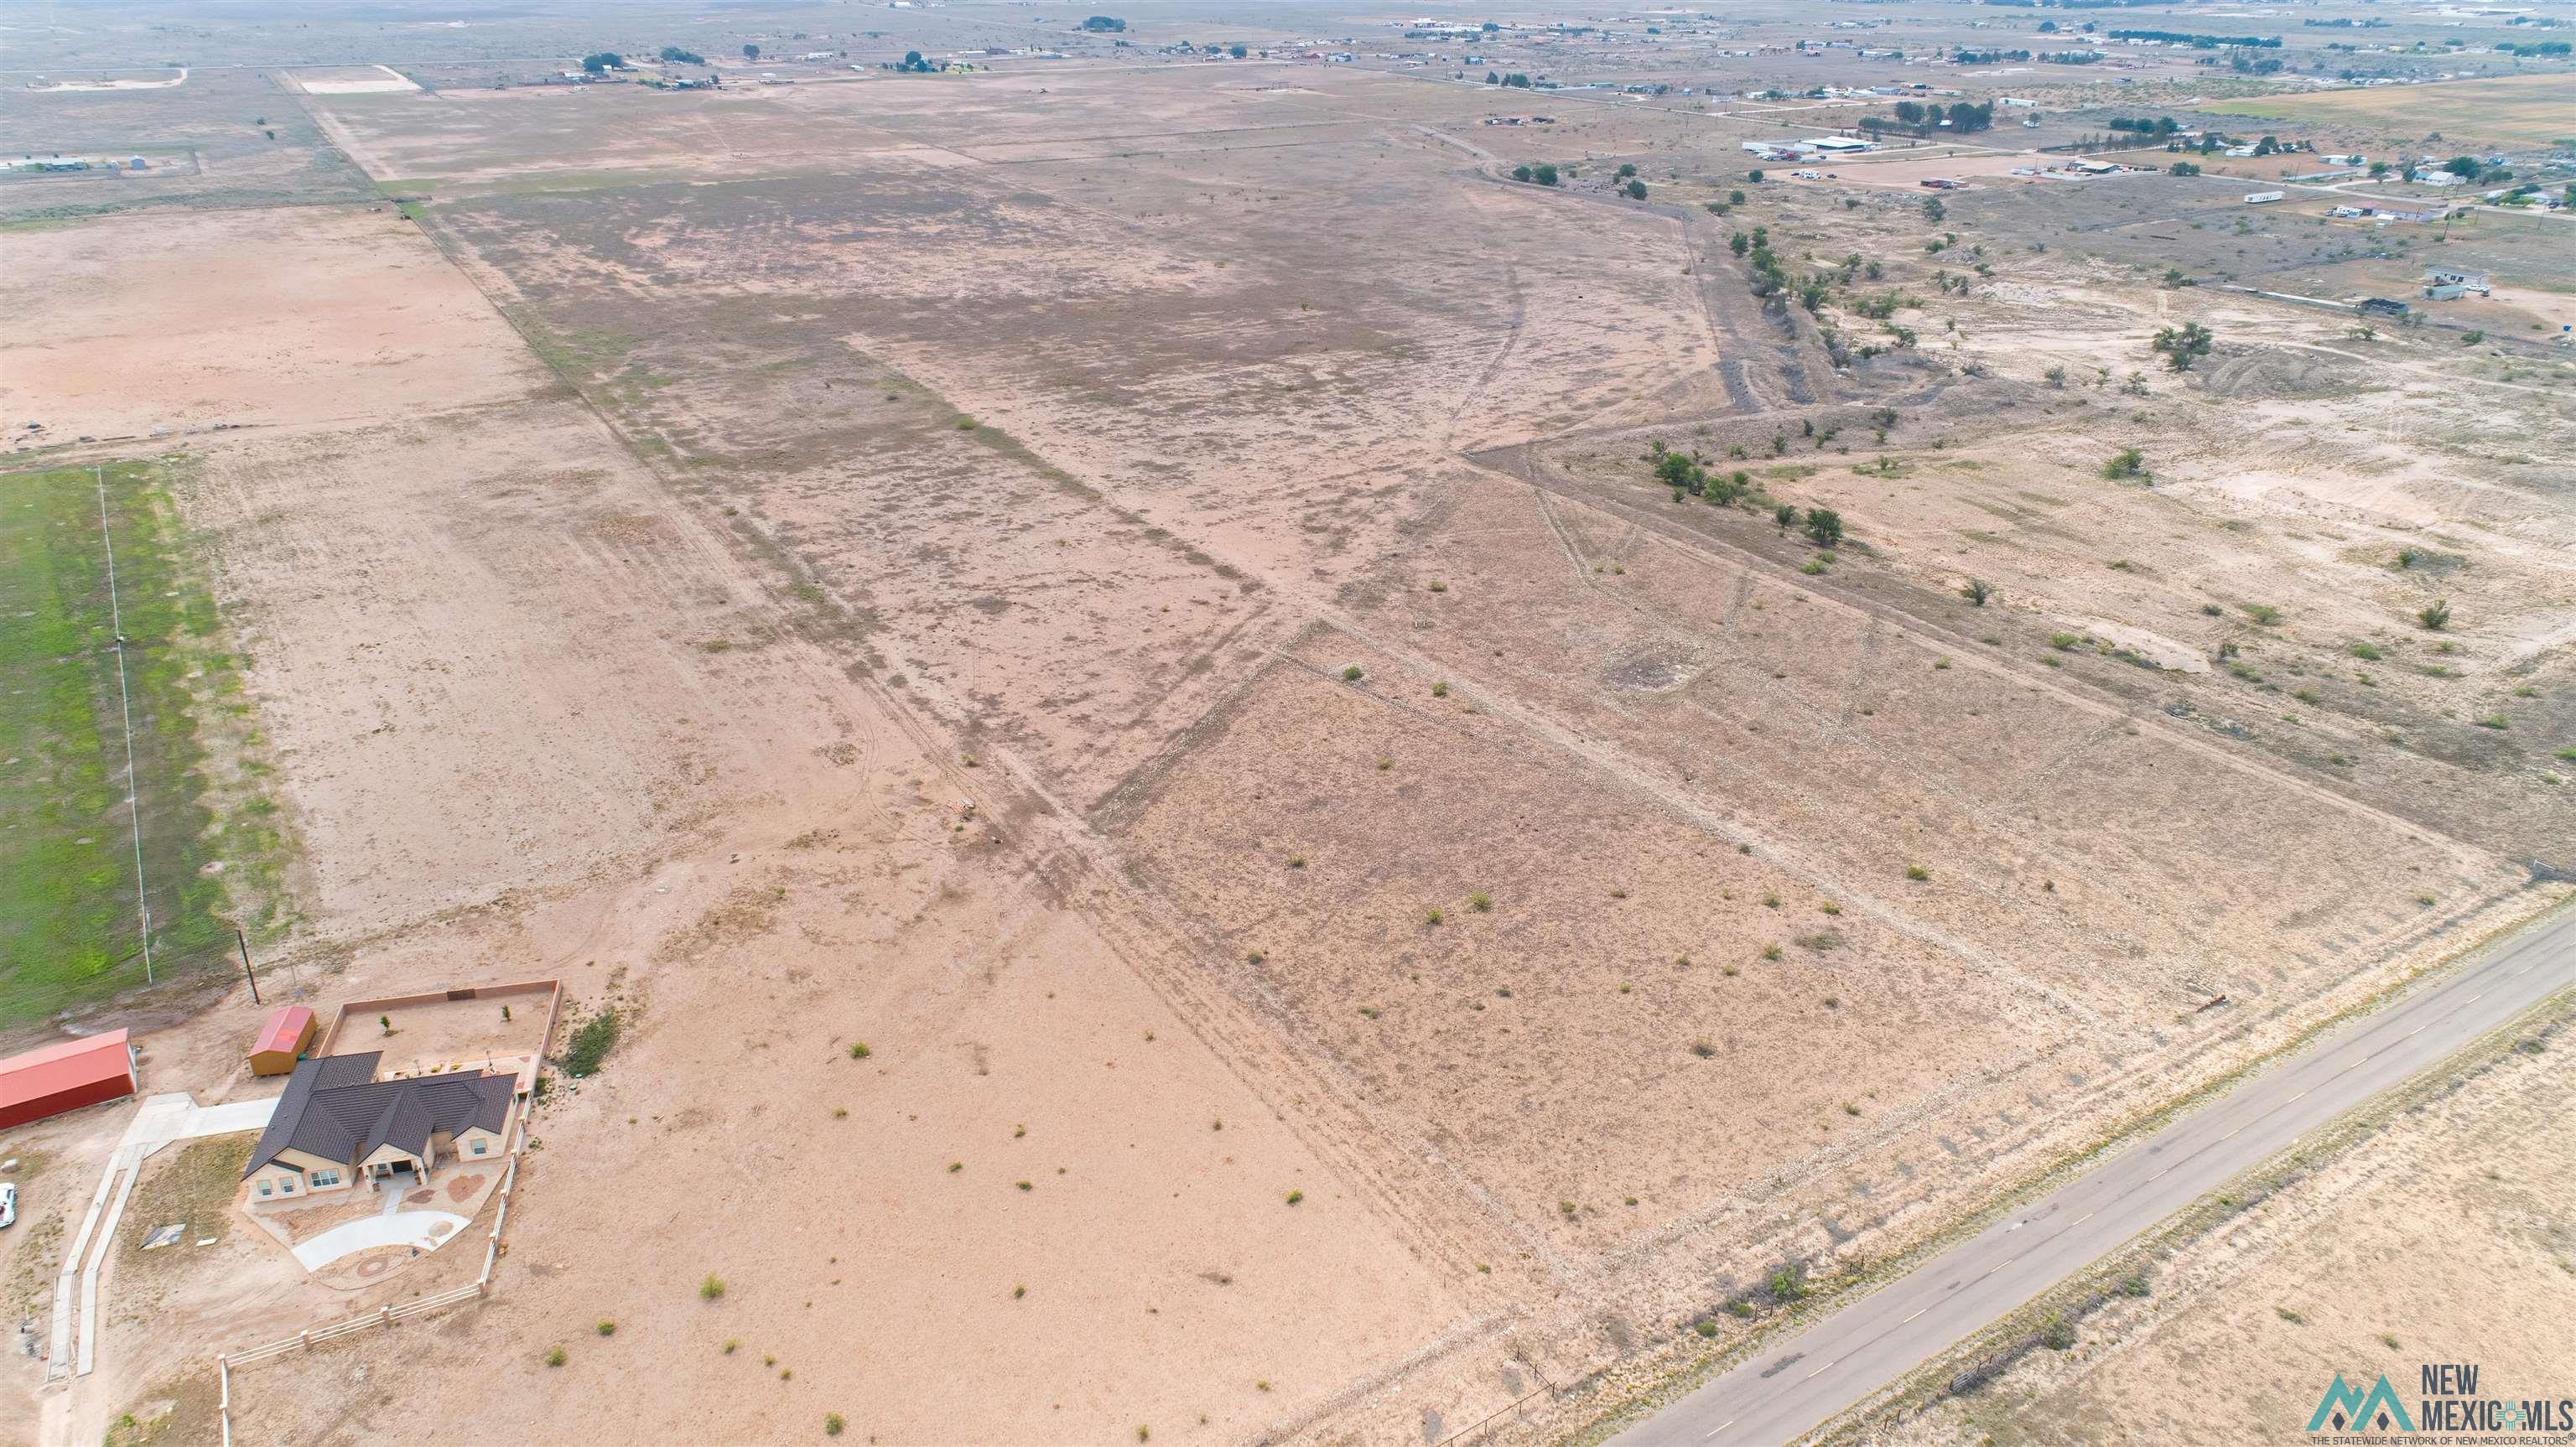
[
  {"x": 336, "y": 1123},
  {"x": 282, "y": 1040},
  {"x": 66, "y": 1076}
]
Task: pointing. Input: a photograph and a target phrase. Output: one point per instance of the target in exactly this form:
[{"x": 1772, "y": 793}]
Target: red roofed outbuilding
[
  {"x": 65, "y": 1077},
  {"x": 285, "y": 1037}
]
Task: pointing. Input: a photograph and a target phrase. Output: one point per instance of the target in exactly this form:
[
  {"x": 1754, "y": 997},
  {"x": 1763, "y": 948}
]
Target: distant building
[{"x": 2443, "y": 284}]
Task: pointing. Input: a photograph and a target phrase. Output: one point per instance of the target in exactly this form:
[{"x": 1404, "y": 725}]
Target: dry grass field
[
  {"x": 1092, "y": 657},
  {"x": 2515, "y": 110}
]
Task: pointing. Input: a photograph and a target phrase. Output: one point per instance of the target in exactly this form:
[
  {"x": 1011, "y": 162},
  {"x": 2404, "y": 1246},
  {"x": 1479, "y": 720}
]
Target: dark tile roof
[{"x": 335, "y": 1108}]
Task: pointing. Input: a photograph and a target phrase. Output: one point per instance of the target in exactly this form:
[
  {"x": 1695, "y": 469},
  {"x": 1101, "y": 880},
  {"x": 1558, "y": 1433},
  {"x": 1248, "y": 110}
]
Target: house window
[
  {"x": 326, "y": 1178},
  {"x": 475, "y": 1148},
  {"x": 263, "y": 1188},
  {"x": 286, "y": 1185}
]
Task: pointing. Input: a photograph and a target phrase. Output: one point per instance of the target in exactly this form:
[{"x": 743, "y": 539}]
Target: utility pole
[{"x": 239, "y": 939}]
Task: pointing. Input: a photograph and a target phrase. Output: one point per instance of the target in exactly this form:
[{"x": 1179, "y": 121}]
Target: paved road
[{"x": 1798, "y": 1384}]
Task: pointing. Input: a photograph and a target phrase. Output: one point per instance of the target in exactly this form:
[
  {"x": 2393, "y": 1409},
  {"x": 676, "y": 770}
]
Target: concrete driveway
[{"x": 424, "y": 1230}]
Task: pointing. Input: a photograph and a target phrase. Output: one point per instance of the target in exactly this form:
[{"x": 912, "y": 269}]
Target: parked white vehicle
[{"x": 8, "y": 1203}]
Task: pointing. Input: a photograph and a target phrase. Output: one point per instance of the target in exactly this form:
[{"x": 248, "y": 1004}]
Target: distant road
[{"x": 1797, "y": 1385}]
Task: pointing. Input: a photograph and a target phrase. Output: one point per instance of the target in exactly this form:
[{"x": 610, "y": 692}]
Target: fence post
[{"x": 389, "y": 1316}]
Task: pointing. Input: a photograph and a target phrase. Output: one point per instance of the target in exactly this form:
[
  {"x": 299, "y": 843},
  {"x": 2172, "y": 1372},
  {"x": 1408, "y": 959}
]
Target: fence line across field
[{"x": 125, "y": 704}]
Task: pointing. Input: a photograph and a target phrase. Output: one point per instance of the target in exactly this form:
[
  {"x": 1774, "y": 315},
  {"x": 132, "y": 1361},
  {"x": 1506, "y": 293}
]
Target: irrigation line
[{"x": 125, "y": 701}]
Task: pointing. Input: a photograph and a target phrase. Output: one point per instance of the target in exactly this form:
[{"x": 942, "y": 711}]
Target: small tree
[
  {"x": 1520, "y": 173},
  {"x": 1825, "y": 526},
  {"x": 1754, "y": 175},
  {"x": 1784, "y": 517},
  {"x": 751, "y": 52},
  {"x": 1977, "y": 591},
  {"x": 1544, "y": 173},
  {"x": 1933, "y": 210},
  {"x": 2181, "y": 347},
  {"x": 2128, "y": 464},
  {"x": 1636, "y": 190}
]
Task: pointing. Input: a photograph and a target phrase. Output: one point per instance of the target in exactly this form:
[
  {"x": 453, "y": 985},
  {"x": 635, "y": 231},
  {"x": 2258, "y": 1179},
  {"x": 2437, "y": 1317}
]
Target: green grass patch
[{"x": 70, "y": 929}]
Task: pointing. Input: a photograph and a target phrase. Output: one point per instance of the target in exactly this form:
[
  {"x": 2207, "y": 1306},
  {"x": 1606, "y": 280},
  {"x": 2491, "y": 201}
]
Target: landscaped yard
[{"x": 70, "y": 921}]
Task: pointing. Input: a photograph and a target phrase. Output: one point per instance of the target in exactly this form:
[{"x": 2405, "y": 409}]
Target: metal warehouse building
[{"x": 66, "y": 1077}]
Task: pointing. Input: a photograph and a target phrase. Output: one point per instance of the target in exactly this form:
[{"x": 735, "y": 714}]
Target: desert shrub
[
  {"x": 712, "y": 1288},
  {"x": 2435, "y": 617},
  {"x": 1481, "y": 902},
  {"x": 555, "y": 1358},
  {"x": 590, "y": 1044},
  {"x": 1789, "y": 1283},
  {"x": 859, "y": 1050},
  {"x": 606, "y": 1328},
  {"x": 1295, "y": 1196},
  {"x": 1917, "y": 873},
  {"x": 2127, "y": 463},
  {"x": 1352, "y": 674},
  {"x": 1977, "y": 592},
  {"x": 832, "y": 1424}
]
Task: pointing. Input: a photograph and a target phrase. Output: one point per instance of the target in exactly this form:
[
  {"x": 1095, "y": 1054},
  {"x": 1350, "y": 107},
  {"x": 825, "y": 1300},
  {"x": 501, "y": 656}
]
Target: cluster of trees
[
  {"x": 2242, "y": 65},
  {"x": 1103, "y": 22},
  {"x": 2200, "y": 42},
  {"x": 601, "y": 61},
  {"x": 1685, "y": 473},
  {"x": 2534, "y": 47},
  {"x": 1764, "y": 278},
  {"x": 1543, "y": 174},
  {"x": 674, "y": 55},
  {"x": 1994, "y": 57},
  {"x": 1515, "y": 79},
  {"x": 2160, "y": 126},
  {"x": 913, "y": 64},
  {"x": 1964, "y": 118}
]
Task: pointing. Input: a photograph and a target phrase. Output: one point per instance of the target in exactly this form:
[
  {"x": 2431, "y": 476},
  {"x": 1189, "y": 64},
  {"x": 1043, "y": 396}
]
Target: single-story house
[
  {"x": 66, "y": 1076},
  {"x": 282, "y": 1041},
  {"x": 336, "y": 1123}
]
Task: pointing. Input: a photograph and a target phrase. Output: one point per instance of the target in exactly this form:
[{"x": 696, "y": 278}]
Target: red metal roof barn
[
  {"x": 282, "y": 1039},
  {"x": 65, "y": 1077}
]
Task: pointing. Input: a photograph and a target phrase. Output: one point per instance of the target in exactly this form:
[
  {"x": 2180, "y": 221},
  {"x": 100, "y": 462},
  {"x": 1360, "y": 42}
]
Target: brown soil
[{"x": 873, "y": 563}]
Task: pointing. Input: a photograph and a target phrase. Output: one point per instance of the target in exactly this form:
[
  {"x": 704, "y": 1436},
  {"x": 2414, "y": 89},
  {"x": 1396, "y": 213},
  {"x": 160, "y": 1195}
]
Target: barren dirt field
[{"x": 1181, "y": 819}]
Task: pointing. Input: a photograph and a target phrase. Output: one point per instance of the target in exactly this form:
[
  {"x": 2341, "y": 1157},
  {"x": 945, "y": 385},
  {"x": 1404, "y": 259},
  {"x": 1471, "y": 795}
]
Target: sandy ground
[{"x": 649, "y": 552}]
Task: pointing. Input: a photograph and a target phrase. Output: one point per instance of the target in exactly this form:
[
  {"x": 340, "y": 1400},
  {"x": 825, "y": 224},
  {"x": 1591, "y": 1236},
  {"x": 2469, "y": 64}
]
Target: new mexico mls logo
[{"x": 2344, "y": 1403}]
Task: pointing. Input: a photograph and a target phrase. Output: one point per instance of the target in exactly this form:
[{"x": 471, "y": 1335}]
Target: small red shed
[
  {"x": 286, "y": 1036},
  {"x": 65, "y": 1077}
]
